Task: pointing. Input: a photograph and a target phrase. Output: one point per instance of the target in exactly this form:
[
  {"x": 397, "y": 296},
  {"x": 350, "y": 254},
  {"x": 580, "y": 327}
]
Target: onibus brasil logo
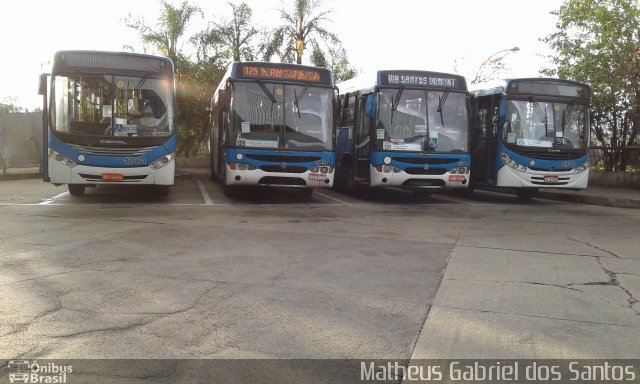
[{"x": 25, "y": 371}]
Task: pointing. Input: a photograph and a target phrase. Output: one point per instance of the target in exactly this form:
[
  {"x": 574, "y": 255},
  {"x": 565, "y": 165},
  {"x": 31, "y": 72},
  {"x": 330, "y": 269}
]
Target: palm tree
[
  {"x": 230, "y": 39},
  {"x": 301, "y": 27},
  {"x": 170, "y": 28}
]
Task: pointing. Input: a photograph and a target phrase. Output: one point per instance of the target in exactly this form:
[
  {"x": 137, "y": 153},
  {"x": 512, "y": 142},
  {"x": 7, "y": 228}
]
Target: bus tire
[
  {"x": 527, "y": 193},
  {"x": 349, "y": 181},
  {"x": 76, "y": 189}
]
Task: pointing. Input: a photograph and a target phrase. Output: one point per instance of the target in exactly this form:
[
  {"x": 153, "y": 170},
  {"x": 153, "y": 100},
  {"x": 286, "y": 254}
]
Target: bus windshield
[
  {"x": 279, "y": 116},
  {"x": 536, "y": 123},
  {"x": 419, "y": 120},
  {"x": 108, "y": 105}
]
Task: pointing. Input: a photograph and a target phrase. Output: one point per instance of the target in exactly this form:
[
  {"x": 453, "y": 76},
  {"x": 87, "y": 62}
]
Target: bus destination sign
[
  {"x": 304, "y": 74},
  {"x": 422, "y": 79}
]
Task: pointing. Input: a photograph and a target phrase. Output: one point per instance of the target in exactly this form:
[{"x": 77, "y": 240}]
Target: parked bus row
[{"x": 110, "y": 119}]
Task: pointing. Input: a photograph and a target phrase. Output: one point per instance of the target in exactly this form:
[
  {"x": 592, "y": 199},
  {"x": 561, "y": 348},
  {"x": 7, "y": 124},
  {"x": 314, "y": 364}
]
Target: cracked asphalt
[{"x": 120, "y": 273}]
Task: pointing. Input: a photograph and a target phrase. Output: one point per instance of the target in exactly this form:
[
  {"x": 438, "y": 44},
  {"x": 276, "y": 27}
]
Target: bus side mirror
[
  {"x": 370, "y": 107},
  {"x": 223, "y": 100},
  {"x": 42, "y": 89}
]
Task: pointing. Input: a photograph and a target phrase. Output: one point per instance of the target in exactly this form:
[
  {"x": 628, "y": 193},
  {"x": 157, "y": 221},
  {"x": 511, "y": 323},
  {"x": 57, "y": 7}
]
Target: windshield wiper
[
  {"x": 442, "y": 99},
  {"x": 395, "y": 101},
  {"x": 267, "y": 91},
  {"x": 566, "y": 114},
  {"x": 296, "y": 98},
  {"x": 542, "y": 115}
]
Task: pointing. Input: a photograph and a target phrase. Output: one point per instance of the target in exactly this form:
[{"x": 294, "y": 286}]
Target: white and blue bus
[
  {"x": 273, "y": 125},
  {"x": 109, "y": 119},
  {"x": 406, "y": 129},
  {"x": 529, "y": 133}
]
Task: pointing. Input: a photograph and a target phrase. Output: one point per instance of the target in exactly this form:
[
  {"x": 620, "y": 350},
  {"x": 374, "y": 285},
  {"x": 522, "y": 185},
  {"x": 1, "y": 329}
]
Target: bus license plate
[
  {"x": 316, "y": 176},
  {"x": 112, "y": 177},
  {"x": 551, "y": 179},
  {"x": 456, "y": 178}
]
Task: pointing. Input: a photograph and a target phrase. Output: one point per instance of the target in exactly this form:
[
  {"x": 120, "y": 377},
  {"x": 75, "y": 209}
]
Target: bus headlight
[
  {"x": 512, "y": 163},
  {"x": 383, "y": 168},
  {"x": 321, "y": 170},
  {"x": 581, "y": 168},
  {"x": 62, "y": 159},
  {"x": 161, "y": 162},
  {"x": 241, "y": 167}
]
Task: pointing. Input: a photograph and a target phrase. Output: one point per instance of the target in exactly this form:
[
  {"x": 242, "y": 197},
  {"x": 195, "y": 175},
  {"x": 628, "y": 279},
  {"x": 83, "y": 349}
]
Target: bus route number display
[
  {"x": 422, "y": 79},
  {"x": 291, "y": 74}
]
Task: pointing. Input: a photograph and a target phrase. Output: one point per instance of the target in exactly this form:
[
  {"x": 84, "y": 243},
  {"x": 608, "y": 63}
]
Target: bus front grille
[
  {"x": 125, "y": 179},
  {"x": 113, "y": 151},
  {"x": 281, "y": 169},
  {"x": 283, "y": 181},
  {"x": 425, "y": 160},
  {"x": 539, "y": 180},
  {"x": 423, "y": 183},
  {"x": 283, "y": 158},
  {"x": 428, "y": 171}
]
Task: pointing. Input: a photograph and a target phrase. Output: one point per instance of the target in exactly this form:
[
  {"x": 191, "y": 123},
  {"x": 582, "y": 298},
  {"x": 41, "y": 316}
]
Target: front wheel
[
  {"x": 349, "y": 181},
  {"x": 76, "y": 189}
]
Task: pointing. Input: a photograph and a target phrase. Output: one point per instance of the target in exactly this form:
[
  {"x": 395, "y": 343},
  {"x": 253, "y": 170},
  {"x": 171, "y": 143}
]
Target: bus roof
[
  {"x": 106, "y": 61},
  {"x": 532, "y": 86},
  {"x": 367, "y": 82}
]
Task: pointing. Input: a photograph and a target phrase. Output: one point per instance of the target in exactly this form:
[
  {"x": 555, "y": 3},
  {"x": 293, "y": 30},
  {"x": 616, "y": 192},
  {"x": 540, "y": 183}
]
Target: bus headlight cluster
[
  {"x": 387, "y": 169},
  {"x": 241, "y": 167},
  {"x": 512, "y": 163},
  {"x": 322, "y": 170},
  {"x": 161, "y": 162},
  {"x": 62, "y": 159},
  {"x": 581, "y": 168},
  {"x": 459, "y": 170}
]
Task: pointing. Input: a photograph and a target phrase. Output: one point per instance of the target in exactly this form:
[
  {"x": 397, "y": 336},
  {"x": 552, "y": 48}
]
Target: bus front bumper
[
  {"x": 405, "y": 180},
  {"x": 508, "y": 177},
  {"x": 85, "y": 174},
  {"x": 279, "y": 179}
]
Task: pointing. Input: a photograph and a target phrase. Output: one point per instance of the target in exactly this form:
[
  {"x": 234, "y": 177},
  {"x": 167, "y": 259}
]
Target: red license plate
[
  {"x": 551, "y": 179},
  {"x": 316, "y": 176},
  {"x": 456, "y": 178},
  {"x": 112, "y": 177}
]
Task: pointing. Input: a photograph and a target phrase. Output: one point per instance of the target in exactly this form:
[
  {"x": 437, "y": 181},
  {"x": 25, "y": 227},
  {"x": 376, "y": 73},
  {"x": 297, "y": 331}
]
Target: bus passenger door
[
  {"x": 484, "y": 139},
  {"x": 362, "y": 140}
]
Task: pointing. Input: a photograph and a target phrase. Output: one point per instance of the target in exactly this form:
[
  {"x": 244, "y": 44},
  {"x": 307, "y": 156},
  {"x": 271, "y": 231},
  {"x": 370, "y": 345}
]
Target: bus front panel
[
  {"x": 523, "y": 171},
  {"x": 419, "y": 170},
  {"x": 77, "y": 164},
  {"x": 245, "y": 166}
]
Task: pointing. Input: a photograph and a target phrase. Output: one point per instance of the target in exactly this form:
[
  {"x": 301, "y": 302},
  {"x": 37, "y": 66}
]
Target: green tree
[
  {"x": 168, "y": 36},
  {"x": 230, "y": 40},
  {"x": 8, "y": 105},
  {"x": 302, "y": 28},
  {"x": 339, "y": 64},
  {"x": 597, "y": 42}
]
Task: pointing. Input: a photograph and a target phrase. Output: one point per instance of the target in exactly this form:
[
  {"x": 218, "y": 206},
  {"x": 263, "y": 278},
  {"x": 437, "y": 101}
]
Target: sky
[{"x": 454, "y": 36}]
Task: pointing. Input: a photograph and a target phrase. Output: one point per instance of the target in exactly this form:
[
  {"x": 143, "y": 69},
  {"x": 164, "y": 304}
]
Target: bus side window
[{"x": 349, "y": 111}]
